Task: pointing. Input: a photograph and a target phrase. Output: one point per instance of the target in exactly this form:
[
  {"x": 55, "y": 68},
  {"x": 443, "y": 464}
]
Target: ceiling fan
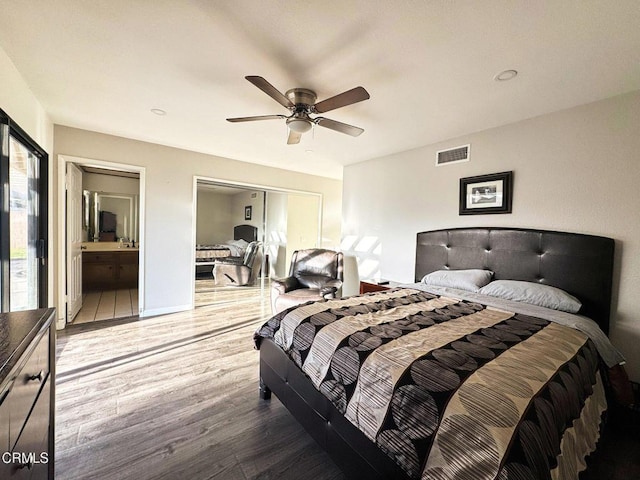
[{"x": 301, "y": 102}]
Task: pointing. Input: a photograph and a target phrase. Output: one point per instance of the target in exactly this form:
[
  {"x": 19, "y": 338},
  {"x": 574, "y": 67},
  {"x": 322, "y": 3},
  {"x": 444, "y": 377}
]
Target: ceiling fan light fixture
[{"x": 299, "y": 125}]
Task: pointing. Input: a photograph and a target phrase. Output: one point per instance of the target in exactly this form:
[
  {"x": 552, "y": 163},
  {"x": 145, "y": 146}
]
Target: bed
[
  {"x": 431, "y": 382},
  {"x": 206, "y": 255}
]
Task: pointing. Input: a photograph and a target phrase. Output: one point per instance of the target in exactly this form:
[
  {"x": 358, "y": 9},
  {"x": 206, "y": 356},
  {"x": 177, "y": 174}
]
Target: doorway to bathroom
[{"x": 101, "y": 235}]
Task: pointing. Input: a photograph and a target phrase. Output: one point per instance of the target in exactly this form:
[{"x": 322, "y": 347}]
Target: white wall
[
  {"x": 214, "y": 219},
  {"x": 576, "y": 170},
  {"x": 18, "y": 101},
  {"x": 169, "y": 196}
]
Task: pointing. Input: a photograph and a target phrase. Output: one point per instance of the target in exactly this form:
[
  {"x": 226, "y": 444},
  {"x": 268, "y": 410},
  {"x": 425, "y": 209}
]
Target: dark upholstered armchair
[
  {"x": 314, "y": 274},
  {"x": 239, "y": 271}
]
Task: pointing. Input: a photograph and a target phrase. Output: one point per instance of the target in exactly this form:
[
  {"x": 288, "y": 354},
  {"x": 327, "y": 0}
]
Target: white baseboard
[{"x": 152, "y": 312}]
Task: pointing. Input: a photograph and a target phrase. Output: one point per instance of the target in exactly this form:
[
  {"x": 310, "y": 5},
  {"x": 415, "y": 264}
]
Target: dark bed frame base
[
  {"x": 579, "y": 264},
  {"x": 347, "y": 446}
]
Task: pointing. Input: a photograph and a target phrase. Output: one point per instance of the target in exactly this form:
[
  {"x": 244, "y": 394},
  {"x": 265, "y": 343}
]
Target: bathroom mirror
[{"x": 109, "y": 217}]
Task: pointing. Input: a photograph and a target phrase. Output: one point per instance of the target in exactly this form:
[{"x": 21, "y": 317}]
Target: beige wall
[
  {"x": 577, "y": 170},
  {"x": 302, "y": 228},
  {"x": 214, "y": 219},
  {"x": 276, "y": 237},
  {"x": 169, "y": 183},
  {"x": 97, "y": 182},
  {"x": 253, "y": 199}
]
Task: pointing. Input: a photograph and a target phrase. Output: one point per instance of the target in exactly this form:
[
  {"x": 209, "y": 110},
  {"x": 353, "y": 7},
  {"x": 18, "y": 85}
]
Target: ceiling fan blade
[
  {"x": 343, "y": 99},
  {"x": 338, "y": 126},
  {"x": 251, "y": 119},
  {"x": 270, "y": 90},
  {"x": 294, "y": 137}
]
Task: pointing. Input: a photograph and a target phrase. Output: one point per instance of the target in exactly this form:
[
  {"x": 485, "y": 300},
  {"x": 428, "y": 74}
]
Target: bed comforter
[
  {"x": 206, "y": 253},
  {"x": 451, "y": 388}
]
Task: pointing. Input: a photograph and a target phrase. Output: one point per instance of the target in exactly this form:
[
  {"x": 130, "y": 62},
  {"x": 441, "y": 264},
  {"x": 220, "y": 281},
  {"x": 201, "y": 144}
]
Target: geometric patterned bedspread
[
  {"x": 207, "y": 252},
  {"x": 451, "y": 389}
]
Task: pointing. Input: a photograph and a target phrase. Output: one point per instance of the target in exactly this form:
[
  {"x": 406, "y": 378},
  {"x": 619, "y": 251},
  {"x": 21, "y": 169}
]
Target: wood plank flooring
[
  {"x": 207, "y": 293},
  {"x": 176, "y": 397}
]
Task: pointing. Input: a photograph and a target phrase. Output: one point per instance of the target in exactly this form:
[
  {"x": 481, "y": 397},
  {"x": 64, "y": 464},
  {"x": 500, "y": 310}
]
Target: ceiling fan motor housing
[{"x": 302, "y": 97}]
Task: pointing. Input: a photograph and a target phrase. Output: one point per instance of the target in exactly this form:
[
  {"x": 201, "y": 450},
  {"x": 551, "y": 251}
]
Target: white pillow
[
  {"x": 239, "y": 243},
  {"x": 533, "y": 293},
  {"x": 470, "y": 280}
]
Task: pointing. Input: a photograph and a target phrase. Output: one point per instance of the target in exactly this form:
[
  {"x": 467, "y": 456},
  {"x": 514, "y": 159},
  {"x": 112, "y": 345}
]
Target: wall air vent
[{"x": 453, "y": 155}]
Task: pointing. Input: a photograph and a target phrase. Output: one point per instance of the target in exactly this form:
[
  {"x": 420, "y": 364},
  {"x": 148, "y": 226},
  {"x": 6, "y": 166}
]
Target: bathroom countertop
[{"x": 106, "y": 247}]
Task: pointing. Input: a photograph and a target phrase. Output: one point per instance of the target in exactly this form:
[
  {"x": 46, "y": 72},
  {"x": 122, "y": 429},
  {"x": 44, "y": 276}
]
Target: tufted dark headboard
[
  {"x": 579, "y": 264},
  {"x": 248, "y": 233}
]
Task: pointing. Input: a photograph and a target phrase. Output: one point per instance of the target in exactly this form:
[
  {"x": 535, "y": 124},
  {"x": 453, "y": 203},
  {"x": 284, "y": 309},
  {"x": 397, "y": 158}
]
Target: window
[{"x": 23, "y": 219}]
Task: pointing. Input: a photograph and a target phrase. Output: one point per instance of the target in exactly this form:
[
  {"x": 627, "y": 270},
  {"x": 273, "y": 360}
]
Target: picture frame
[
  {"x": 486, "y": 194},
  {"x": 247, "y": 212}
]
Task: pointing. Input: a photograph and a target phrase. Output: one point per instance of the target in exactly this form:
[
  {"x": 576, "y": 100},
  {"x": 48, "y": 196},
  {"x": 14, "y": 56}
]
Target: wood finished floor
[
  {"x": 207, "y": 293},
  {"x": 176, "y": 397}
]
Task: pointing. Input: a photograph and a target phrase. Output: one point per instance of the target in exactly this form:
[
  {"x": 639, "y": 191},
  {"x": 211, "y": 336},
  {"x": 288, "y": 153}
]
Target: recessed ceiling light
[
  {"x": 506, "y": 75},
  {"x": 308, "y": 151},
  {"x": 158, "y": 111}
]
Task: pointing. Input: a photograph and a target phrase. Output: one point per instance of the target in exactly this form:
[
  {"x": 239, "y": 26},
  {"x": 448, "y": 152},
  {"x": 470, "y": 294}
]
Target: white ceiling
[{"x": 428, "y": 65}]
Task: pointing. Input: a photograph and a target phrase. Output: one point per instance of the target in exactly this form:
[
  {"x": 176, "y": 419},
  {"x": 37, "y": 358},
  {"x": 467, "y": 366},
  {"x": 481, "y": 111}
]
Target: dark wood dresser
[{"x": 27, "y": 381}]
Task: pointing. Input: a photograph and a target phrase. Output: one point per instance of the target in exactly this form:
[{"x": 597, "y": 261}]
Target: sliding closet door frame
[
  {"x": 198, "y": 179},
  {"x": 8, "y": 129}
]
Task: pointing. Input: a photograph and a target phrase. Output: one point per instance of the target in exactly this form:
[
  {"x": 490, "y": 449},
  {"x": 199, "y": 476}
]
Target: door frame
[
  {"x": 198, "y": 179},
  {"x": 61, "y": 301}
]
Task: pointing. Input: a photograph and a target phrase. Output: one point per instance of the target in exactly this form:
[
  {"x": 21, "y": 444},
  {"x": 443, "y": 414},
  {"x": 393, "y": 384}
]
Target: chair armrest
[
  {"x": 330, "y": 288},
  {"x": 230, "y": 260},
  {"x": 284, "y": 285}
]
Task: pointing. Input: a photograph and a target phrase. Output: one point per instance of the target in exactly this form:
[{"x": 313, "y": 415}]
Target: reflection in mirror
[{"x": 110, "y": 217}]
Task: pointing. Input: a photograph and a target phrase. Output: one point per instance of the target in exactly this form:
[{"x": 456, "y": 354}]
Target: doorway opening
[
  {"x": 101, "y": 240},
  {"x": 284, "y": 221}
]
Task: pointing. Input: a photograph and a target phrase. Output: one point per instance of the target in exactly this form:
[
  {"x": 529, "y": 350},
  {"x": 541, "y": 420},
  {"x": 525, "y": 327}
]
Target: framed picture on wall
[
  {"x": 247, "y": 212},
  {"x": 486, "y": 194}
]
